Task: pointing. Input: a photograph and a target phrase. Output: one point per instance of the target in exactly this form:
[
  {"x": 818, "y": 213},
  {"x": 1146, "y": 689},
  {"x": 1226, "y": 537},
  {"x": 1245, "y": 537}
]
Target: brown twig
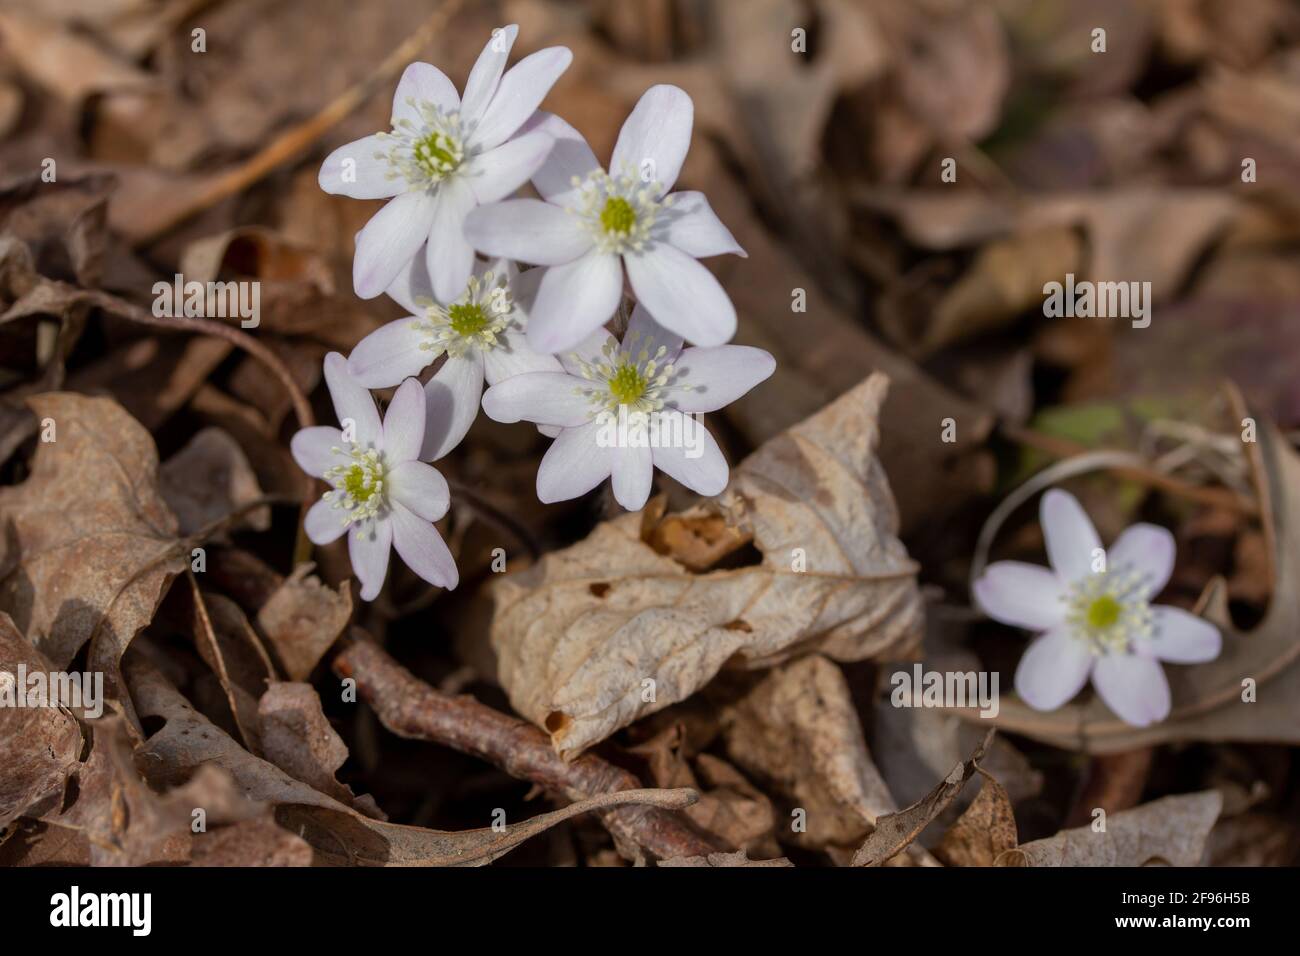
[
  {"x": 411, "y": 708},
  {"x": 292, "y": 142},
  {"x": 1064, "y": 448}
]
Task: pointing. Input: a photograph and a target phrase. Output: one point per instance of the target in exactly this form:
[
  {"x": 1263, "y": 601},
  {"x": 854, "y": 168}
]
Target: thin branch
[{"x": 411, "y": 708}]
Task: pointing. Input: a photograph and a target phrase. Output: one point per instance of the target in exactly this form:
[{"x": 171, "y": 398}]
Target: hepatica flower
[
  {"x": 481, "y": 332},
  {"x": 444, "y": 156},
  {"x": 381, "y": 496},
  {"x": 624, "y": 409},
  {"x": 1094, "y": 609},
  {"x": 591, "y": 224}
]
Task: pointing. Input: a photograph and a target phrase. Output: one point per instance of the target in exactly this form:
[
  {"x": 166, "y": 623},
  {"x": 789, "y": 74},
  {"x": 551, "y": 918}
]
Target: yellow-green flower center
[
  {"x": 466, "y": 318},
  {"x": 359, "y": 483},
  {"x": 437, "y": 154},
  {"x": 627, "y": 384},
  {"x": 618, "y": 217},
  {"x": 1103, "y": 613}
]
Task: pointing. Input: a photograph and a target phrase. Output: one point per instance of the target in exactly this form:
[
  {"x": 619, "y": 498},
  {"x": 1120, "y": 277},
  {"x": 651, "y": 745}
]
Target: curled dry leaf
[
  {"x": 580, "y": 634},
  {"x": 90, "y": 543},
  {"x": 302, "y": 618},
  {"x": 1172, "y": 831},
  {"x": 39, "y": 746},
  {"x": 337, "y": 833},
  {"x": 985, "y": 830},
  {"x": 895, "y": 832},
  {"x": 1210, "y": 700},
  {"x": 798, "y": 732},
  {"x": 723, "y": 860},
  {"x": 208, "y": 480}
]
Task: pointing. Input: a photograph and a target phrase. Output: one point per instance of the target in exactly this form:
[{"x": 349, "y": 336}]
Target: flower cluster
[{"x": 447, "y": 247}]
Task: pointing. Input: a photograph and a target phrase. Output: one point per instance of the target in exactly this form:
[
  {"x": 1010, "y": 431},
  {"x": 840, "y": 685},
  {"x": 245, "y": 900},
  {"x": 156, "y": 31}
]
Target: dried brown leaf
[
  {"x": 578, "y": 634},
  {"x": 985, "y": 830},
  {"x": 208, "y": 480},
  {"x": 302, "y": 619}
]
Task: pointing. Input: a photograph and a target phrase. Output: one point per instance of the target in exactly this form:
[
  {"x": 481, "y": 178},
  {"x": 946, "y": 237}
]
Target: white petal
[
  {"x": 519, "y": 93},
  {"x": 514, "y": 356},
  {"x": 574, "y": 300},
  {"x": 389, "y": 354},
  {"x": 390, "y": 240},
  {"x": 352, "y": 403},
  {"x": 691, "y": 225},
  {"x": 1071, "y": 539},
  {"x": 312, "y": 449},
  {"x": 1022, "y": 595},
  {"x": 590, "y": 350},
  {"x": 718, "y": 376},
  {"x": 697, "y": 462},
  {"x": 550, "y": 431},
  {"x": 449, "y": 255},
  {"x": 404, "y": 423},
  {"x": 547, "y": 398},
  {"x": 420, "y": 488},
  {"x": 1146, "y": 549},
  {"x": 353, "y": 170},
  {"x": 368, "y": 545},
  {"x": 633, "y": 474},
  {"x": 571, "y": 157},
  {"x": 523, "y": 288},
  {"x": 682, "y": 295},
  {"x": 1134, "y": 687},
  {"x": 485, "y": 76},
  {"x": 1182, "y": 637},
  {"x": 527, "y": 230},
  {"x": 324, "y": 523},
  {"x": 412, "y": 289},
  {"x": 496, "y": 174},
  {"x": 573, "y": 465},
  {"x": 647, "y": 329},
  {"x": 658, "y": 130},
  {"x": 452, "y": 398},
  {"x": 423, "y": 83},
  {"x": 1053, "y": 670},
  {"x": 423, "y": 549}
]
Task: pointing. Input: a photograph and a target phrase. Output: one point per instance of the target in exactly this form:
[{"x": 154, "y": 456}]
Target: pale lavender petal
[
  {"x": 421, "y": 488},
  {"x": 496, "y": 174},
  {"x": 570, "y": 158},
  {"x": 1053, "y": 670},
  {"x": 390, "y": 240},
  {"x": 514, "y": 356},
  {"x": 313, "y": 449},
  {"x": 423, "y": 83},
  {"x": 1134, "y": 687},
  {"x": 422, "y": 548},
  {"x": 1181, "y": 637},
  {"x": 547, "y": 398},
  {"x": 412, "y": 289},
  {"x": 353, "y": 170},
  {"x": 449, "y": 255},
  {"x": 404, "y": 423},
  {"x": 389, "y": 354},
  {"x": 681, "y": 294},
  {"x": 646, "y": 329},
  {"x": 573, "y": 465},
  {"x": 574, "y": 300},
  {"x": 658, "y": 131},
  {"x": 518, "y": 95},
  {"x": 1072, "y": 542},
  {"x": 486, "y": 75},
  {"x": 1022, "y": 595},
  {"x": 324, "y": 523},
  {"x": 690, "y": 224},
  {"x": 633, "y": 474},
  {"x": 352, "y": 403},
  {"x": 1147, "y": 550},
  {"x": 452, "y": 398},
  {"x": 368, "y": 546},
  {"x": 717, "y": 376},
  {"x": 697, "y": 461},
  {"x": 590, "y": 350},
  {"x": 527, "y": 230}
]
